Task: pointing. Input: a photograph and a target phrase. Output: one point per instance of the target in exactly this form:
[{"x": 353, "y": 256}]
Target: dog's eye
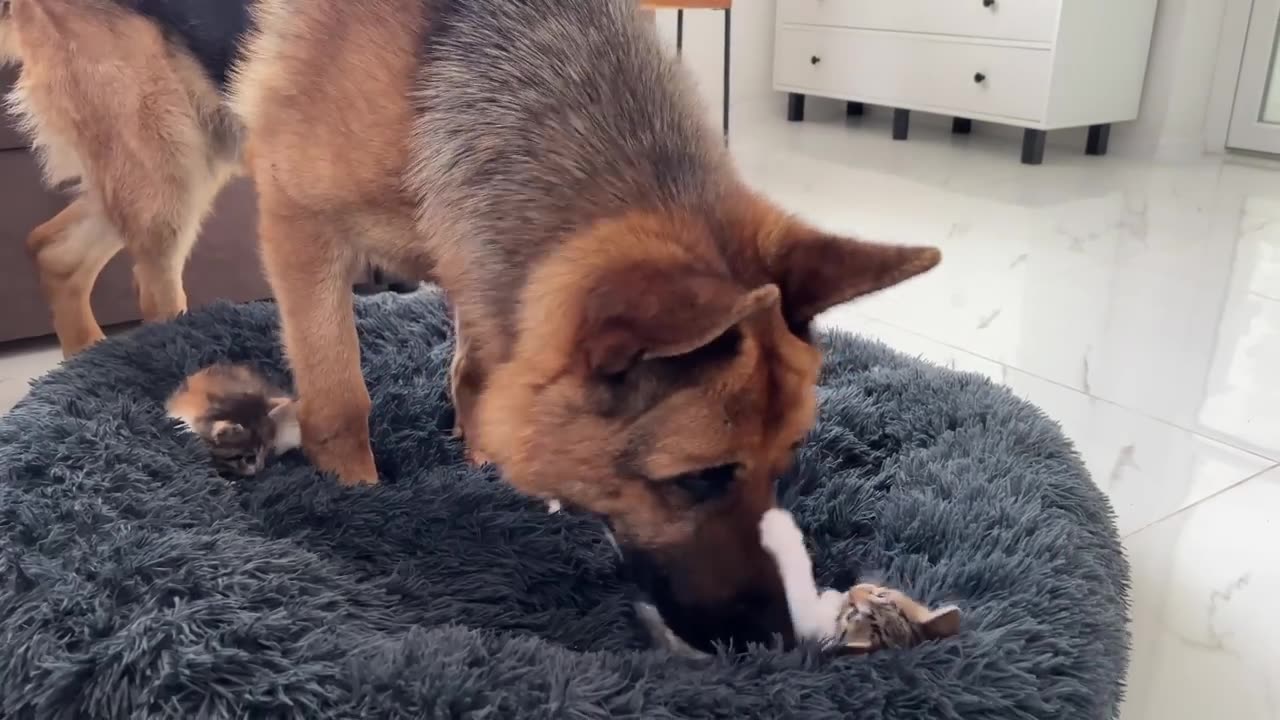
[{"x": 709, "y": 483}]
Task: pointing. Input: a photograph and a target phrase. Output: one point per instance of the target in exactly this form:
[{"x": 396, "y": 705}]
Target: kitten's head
[
  {"x": 879, "y": 618},
  {"x": 244, "y": 430}
]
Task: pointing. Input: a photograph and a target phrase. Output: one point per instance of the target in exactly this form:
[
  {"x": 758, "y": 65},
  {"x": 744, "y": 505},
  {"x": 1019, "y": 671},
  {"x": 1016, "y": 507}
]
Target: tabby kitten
[
  {"x": 879, "y": 618},
  {"x": 243, "y": 418},
  {"x": 865, "y": 619}
]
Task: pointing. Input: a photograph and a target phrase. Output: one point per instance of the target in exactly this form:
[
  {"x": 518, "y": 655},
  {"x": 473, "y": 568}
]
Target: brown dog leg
[
  {"x": 69, "y": 251},
  {"x": 162, "y": 233},
  {"x": 160, "y": 292},
  {"x": 311, "y": 271},
  {"x": 466, "y": 380}
]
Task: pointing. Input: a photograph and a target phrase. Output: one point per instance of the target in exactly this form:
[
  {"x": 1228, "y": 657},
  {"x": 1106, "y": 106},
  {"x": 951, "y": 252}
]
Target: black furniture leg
[
  {"x": 1033, "y": 146},
  {"x": 961, "y": 126},
  {"x": 679, "y": 33},
  {"x": 795, "y": 107},
  {"x": 1099, "y": 139},
  {"x": 728, "y": 33},
  {"x": 901, "y": 124},
  {"x": 854, "y": 109}
]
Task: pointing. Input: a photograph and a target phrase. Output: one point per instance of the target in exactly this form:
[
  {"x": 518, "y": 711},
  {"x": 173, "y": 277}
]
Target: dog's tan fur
[
  {"x": 112, "y": 106},
  {"x": 324, "y": 96}
]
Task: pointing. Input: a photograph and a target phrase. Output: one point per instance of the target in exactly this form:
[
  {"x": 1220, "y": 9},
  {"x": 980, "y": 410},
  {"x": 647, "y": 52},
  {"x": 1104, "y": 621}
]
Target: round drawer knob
[
  {"x": 815, "y": 60},
  {"x": 979, "y": 78},
  {"x": 988, "y": 3}
]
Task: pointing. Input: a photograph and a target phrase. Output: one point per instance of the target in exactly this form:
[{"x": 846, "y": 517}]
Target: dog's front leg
[
  {"x": 466, "y": 380},
  {"x": 311, "y": 268}
]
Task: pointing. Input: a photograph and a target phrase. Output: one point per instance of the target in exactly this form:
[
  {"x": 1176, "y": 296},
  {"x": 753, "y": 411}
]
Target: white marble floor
[{"x": 1137, "y": 303}]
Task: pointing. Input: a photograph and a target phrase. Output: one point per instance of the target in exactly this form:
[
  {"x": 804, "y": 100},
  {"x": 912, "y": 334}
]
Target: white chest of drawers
[{"x": 1037, "y": 64}]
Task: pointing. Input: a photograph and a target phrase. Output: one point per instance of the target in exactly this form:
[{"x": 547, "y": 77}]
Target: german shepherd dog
[{"x": 633, "y": 321}]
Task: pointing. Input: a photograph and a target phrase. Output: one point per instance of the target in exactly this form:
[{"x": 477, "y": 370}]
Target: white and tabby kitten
[
  {"x": 866, "y": 618},
  {"x": 243, "y": 418}
]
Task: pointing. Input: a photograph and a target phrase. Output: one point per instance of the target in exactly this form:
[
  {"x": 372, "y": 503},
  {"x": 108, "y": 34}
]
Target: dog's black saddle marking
[{"x": 210, "y": 29}]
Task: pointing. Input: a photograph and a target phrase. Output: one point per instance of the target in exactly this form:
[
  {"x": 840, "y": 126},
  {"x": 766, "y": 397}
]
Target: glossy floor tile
[
  {"x": 21, "y": 363},
  {"x": 1205, "y": 583},
  {"x": 1149, "y": 468}
]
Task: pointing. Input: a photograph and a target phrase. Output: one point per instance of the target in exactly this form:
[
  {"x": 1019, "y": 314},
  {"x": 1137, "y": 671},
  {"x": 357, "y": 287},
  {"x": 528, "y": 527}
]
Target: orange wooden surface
[{"x": 686, "y": 4}]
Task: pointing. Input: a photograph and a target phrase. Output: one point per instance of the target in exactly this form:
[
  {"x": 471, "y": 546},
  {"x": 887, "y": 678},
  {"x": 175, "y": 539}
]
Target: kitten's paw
[
  {"x": 833, "y": 601},
  {"x": 831, "y": 606},
  {"x": 554, "y": 506},
  {"x": 887, "y": 596},
  {"x": 780, "y": 535}
]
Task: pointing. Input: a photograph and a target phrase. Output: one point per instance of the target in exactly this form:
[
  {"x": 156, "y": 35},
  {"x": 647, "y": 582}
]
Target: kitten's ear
[
  {"x": 284, "y": 413},
  {"x": 227, "y": 431},
  {"x": 282, "y": 407},
  {"x": 941, "y": 623}
]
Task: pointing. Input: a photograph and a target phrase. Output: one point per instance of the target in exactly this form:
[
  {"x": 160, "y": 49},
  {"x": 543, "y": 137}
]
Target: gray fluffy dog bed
[{"x": 134, "y": 582}]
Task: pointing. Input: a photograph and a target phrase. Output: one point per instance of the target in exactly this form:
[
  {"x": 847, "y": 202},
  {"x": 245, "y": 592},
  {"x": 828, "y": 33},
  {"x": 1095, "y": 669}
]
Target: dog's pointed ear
[
  {"x": 650, "y": 313},
  {"x": 817, "y": 271}
]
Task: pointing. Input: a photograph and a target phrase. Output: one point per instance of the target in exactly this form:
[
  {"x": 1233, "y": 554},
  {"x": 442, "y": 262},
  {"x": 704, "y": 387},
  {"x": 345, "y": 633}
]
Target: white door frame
[
  {"x": 1226, "y": 74},
  {"x": 1247, "y": 131}
]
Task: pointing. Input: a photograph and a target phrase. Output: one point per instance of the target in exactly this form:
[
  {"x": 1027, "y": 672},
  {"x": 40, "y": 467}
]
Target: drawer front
[
  {"x": 1027, "y": 20},
  {"x": 915, "y": 72}
]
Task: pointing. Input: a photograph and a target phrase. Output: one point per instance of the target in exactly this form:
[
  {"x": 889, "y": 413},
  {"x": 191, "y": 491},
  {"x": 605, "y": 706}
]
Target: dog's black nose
[{"x": 748, "y": 617}]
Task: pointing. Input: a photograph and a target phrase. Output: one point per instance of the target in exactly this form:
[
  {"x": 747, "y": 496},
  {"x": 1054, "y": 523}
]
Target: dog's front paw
[
  {"x": 350, "y": 472},
  {"x": 476, "y": 458}
]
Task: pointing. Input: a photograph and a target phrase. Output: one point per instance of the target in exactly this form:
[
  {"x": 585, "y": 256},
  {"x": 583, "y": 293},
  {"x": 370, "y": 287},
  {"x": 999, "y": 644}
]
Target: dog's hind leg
[
  {"x": 69, "y": 251},
  {"x": 160, "y": 235},
  {"x": 114, "y": 107}
]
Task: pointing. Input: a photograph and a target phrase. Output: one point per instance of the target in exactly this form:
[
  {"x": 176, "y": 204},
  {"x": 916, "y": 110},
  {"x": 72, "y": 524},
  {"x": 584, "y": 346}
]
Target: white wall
[
  {"x": 1180, "y": 74},
  {"x": 1175, "y": 103},
  {"x": 751, "y": 80}
]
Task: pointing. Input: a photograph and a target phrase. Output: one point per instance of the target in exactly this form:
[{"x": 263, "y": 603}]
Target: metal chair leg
[
  {"x": 679, "y": 33},
  {"x": 728, "y": 34}
]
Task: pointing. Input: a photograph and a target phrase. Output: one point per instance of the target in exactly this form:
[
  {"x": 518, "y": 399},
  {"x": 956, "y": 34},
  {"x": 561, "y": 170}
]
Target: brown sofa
[{"x": 225, "y": 263}]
